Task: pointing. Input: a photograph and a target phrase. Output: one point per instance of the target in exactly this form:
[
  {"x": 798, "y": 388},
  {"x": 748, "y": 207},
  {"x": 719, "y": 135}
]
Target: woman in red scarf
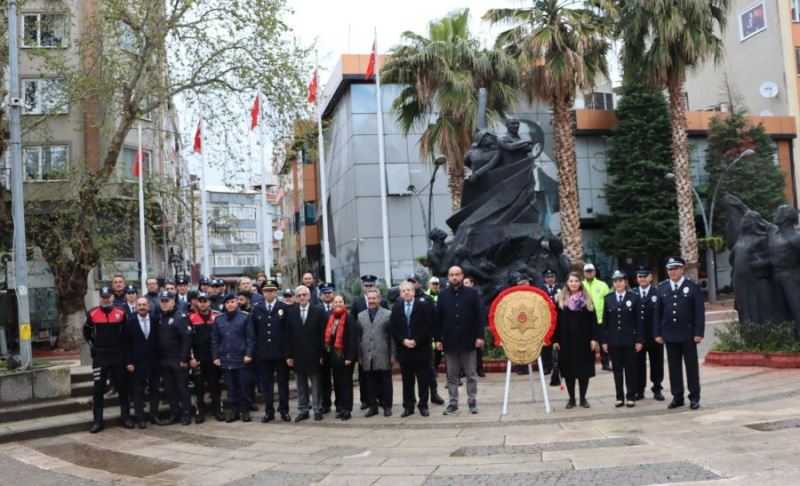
[{"x": 341, "y": 352}]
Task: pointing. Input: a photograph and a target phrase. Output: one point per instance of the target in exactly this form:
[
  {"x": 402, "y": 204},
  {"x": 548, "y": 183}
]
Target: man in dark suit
[
  {"x": 680, "y": 323},
  {"x": 305, "y": 327},
  {"x": 269, "y": 320},
  {"x": 410, "y": 327},
  {"x": 461, "y": 323},
  {"x": 140, "y": 356},
  {"x": 648, "y": 296},
  {"x": 360, "y": 305}
]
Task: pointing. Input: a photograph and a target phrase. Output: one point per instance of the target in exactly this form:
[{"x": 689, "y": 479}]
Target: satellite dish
[
  {"x": 278, "y": 235},
  {"x": 768, "y": 90}
]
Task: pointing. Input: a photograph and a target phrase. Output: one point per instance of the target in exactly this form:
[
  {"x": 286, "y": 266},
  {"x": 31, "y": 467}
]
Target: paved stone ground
[{"x": 745, "y": 433}]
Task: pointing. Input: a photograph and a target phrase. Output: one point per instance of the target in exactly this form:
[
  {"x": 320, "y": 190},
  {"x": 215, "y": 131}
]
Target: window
[
  {"x": 310, "y": 211},
  {"x": 599, "y": 101},
  {"x": 127, "y": 159},
  {"x": 44, "y": 96},
  {"x": 223, "y": 260},
  {"x": 235, "y": 259},
  {"x": 44, "y": 30},
  {"x": 44, "y": 163},
  {"x": 797, "y": 59},
  {"x": 235, "y": 212},
  {"x": 795, "y": 10},
  {"x": 245, "y": 236}
]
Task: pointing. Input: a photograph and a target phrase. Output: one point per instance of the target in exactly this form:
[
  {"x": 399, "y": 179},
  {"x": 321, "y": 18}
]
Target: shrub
[{"x": 749, "y": 336}]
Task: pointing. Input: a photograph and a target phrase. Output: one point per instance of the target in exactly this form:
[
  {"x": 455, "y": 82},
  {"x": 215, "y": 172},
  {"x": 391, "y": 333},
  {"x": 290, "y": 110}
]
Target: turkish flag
[
  {"x": 371, "y": 64},
  {"x": 198, "y": 143},
  {"x": 254, "y": 113},
  {"x": 312, "y": 89},
  {"x": 136, "y": 164}
]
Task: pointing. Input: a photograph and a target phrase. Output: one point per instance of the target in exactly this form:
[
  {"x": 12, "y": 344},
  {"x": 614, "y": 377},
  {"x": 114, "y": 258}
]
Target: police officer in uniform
[
  {"x": 182, "y": 296},
  {"x": 269, "y": 322},
  {"x": 232, "y": 347},
  {"x": 680, "y": 325},
  {"x": 103, "y": 330},
  {"x": 622, "y": 337},
  {"x": 204, "y": 372},
  {"x": 327, "y": 293},
  {"x": 218, "y": 287},
  {"x": 130, "y": 300},
  {"x": 648, "y": 296},
  {"x": 551, "y": 287},
  {"x": 175, "y": 345}
]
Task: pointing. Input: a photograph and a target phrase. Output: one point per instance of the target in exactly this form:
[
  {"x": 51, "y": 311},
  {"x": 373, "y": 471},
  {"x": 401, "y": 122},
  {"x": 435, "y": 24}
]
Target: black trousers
[
  {"x": 239, "y": 382},
  {"x": 603, "y": 358},
  {"x": 343, "y": 386},
  {"x": 583, "y": 383},
  {"x": 207, "y": 375},
  {"x": 146, "y": 385},
  {"x": 419, "y": 371},
  {"x": 434, "y": 371},
  {"x": 325, "y": 375},
  {"x": 679, "y": 355},
  {"x": 363, "y": 392},
  {"x": 176, "y": 385},
  {"x": 100, "y": 374},
  {"x": 547, "y": 358},
  {"x": 623, "y": 362},
  {"x": 272, "y": 371},
  {"x": 379, "y": 388},
  {"x": 655, "y": 352},
  {"x": 479, "y": 359}
]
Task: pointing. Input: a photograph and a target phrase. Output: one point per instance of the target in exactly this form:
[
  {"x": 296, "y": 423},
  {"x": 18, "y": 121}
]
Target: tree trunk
[
  {"x": 566, "y": 161},
  {"x": 683, "y": 176},
  {"x": 455, "y": 182},
  {"x": 71, "y": 287}
]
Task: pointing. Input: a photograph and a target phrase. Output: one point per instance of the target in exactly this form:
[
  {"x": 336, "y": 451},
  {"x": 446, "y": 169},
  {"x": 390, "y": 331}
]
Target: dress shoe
[
  {"x": 161, "y": 422},
  {"x": 233, "y": 417},
  {"x": 338, "y": 414},
  {"x": 473, "y": 408},
  {"x": 346, "y": 415},
  {"x": 571, "y": 403},
  {"x": 301, "y": 417},
  {"x": 327, "y": 410},
  {"x": 268, "y": 418},
  {"x": 481, "y": 374},
  {"x": 424, "y": 412},
  {"x": 127, "y": 422},
  {"x": 199, "y": 419},
  {"x": 96, "y": 427},
  {"x": 387, "y": 412},
  {"x": 658, "y": 396},
  {"x": 254, "y": 408},
  {"x": 246, "y": 416},
  {"x": 694, "y": 404},
  {"x": 219, "y": 416},
  {"x": 547, "y": 371},
  {"x": 173, "y": 419},
  {"x": 607, "y": 367},
  {"x": 675, "y": 403},
  {"x": 585, "y": 403},
  {"x": 371, "y": 412},
  {"x": 450, "y": 410},
  {"x": 285, "y": 417},
  {"x": 630, "y": 404},
  {"x": 141, "y": 423},
  {"x": 639, "y": 396},
  {"x": 317, "y": 417},
  {"x": 437, "y": 399},
  {"x": 364, "y": 406},
  {"x": 186, "y": 420},
  {"x": 406, "y": 412},
  {"x": 619, "y": 403}
]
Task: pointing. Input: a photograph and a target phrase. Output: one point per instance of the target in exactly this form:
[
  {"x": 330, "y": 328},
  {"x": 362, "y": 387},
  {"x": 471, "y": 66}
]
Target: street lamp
[
  {"x": 437, "y": 162},
  {"x": 708, "y": 223}
]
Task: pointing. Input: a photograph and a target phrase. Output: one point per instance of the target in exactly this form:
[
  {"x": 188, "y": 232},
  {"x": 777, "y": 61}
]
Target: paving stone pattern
[
  {"x": 111, "y": 461},
  {"x": 776, "y": 425},
  {"x": 278, "y": 478},
  {"x": 199, "y": 439},
  {"x": 19, "y": 473},
  {"x": 471, "y": 451},
  {"x": 661, "y": 473}
]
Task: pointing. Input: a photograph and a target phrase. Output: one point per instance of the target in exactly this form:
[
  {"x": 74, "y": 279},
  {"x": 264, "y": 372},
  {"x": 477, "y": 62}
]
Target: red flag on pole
[
  {"x": 371, "y": 64},
  {"x": 136, "y": 164},
  {"x": 312, "y": 89},
  {"x": 254, "y": 112},
  {"x": 198, "y": 144}
]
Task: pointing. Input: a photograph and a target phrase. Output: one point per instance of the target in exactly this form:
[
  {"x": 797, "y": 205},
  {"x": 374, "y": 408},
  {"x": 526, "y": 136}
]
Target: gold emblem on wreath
[{"x": 522, "y": 319}]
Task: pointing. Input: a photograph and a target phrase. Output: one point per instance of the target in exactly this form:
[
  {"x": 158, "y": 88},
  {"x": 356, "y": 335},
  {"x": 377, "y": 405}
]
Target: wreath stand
[{"x": 547, "y": 407}]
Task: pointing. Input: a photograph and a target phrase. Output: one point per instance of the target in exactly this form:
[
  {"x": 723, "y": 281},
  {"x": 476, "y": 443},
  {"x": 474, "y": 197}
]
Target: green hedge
[{"x": 749, "y": 336}]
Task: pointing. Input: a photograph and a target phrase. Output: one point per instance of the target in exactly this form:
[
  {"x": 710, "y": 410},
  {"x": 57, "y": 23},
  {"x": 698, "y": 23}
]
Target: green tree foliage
[
  {"x": 756, "y": 179},
  {"x": 642, "y": 223}
]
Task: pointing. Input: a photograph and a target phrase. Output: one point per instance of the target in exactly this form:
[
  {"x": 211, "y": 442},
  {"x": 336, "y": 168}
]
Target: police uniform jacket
[
  {"x": 202, "y": 326},
  {"x": 419, "y": 328},
  {"x": 647, "y": 307},
  {"x": 232, "y": 338},
  {"x": 622, "y": 324},
  {"x": 377, "y": 346},
  {"x": 460, "y": 318},
  {"x": 551, "y": 291},
  {"x": 103, "y": 331},
  {"x": 138, "y": 350},
  {"x": 217, "y": 304},
  {"x": 174, "y": 338},
  {"x": 270, "y": 329},
  {"x": 128, "y": 311},
  {"x": 679, "y": 315}
]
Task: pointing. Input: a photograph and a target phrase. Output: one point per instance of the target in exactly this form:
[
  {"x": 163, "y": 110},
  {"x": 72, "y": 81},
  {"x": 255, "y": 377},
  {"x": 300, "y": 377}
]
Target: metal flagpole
[
  {"x": 323, "y": 187},
  {"x": 266, "y": 217},
  {"x": 17, "y": 196},
  {"x": 547, "y": 407},
  {"x": 142, "y": 244},
  {"x": 387, "y": 267},
  {"x": 204, "y": 202}
]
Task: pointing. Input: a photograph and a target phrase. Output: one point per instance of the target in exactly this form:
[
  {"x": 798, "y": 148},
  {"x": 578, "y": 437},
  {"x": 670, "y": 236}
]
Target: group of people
[{"x": 251, "y": 339}]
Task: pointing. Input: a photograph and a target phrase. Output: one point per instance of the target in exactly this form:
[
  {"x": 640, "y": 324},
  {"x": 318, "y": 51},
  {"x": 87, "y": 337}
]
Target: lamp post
[
  {"x": 708, "y": 223},
  {"x": 437, "y": 162}
]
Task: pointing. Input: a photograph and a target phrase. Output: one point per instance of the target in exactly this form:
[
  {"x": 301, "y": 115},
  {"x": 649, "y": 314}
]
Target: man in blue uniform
[
  {"x": 269, "y": 322},
  {"x": 232, "y": 346},
  {"x": 680, "y": 324},
  {"x": 648, "y": 296}
]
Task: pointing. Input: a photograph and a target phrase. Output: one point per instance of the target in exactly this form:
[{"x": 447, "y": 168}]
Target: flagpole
[
  {"x": 323, "y": 186},
  {"x": 387, "y": 267},
  {"x": 266, "y": 217},
  {"x": 203, "y": 202},
  {"x": 142, "y": 243}
]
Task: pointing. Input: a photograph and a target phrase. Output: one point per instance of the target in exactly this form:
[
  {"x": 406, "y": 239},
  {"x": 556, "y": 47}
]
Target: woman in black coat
[
  {"x": 341, "y": 353},
  {"x": 576, "y": 338}
]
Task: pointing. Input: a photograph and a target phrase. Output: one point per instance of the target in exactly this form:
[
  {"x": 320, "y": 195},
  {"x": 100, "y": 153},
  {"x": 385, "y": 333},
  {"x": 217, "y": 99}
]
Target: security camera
[{"x": 15, "y": 102}]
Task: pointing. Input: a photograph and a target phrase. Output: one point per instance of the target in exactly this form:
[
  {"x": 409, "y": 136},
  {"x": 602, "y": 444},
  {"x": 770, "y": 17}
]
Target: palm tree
[
  {"x": 668, "y": 38},
  {"x": 561, "y": 48},
  {"x": 443, "y": 72}
]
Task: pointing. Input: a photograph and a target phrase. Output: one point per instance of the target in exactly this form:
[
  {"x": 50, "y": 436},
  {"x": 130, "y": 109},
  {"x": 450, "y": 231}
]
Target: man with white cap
[{"x": 598, "y": 290}]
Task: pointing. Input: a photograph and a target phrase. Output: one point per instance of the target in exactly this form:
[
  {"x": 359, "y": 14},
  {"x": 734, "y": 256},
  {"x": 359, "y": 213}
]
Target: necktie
[
  {"x": 674, "y": 287},
  {"x": 303, "y": 315},
  {"x": 619, "y": 299},
  {"x": 644, "y": 294},
  {"x": 146, "y": 328},
  {"x": 269, "y": 308},
  {"x": 408, "y": 318}
]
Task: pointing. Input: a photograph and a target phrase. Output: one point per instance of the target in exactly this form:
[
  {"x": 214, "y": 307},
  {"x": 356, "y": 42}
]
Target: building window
[
  {"x": 44, "y": 30},
  {"x": 235, "y": 259},
  {"x": 599, "y": 101},
  {"x": 235, "y": 212},
  {"x": 795, "y": 10},
  {"x": 244, "y": 236},
  {"x": 45, "y": 163},
  {"x": 752, "y": 20},
  {"x": 127, "y": 160},
  {"x": 44, "y": 96},
  {"x": 310, "y": 210}
]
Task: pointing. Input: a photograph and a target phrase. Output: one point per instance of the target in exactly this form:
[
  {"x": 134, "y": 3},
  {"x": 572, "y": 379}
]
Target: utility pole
[{"x": 17, "y": 196}]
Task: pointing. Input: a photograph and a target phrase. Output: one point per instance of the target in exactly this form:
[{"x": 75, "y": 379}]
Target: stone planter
[
  {"x": 747, "y": 358},
  {"x": 34, "y": 385},
  {"x": 783, "y": 360}
]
